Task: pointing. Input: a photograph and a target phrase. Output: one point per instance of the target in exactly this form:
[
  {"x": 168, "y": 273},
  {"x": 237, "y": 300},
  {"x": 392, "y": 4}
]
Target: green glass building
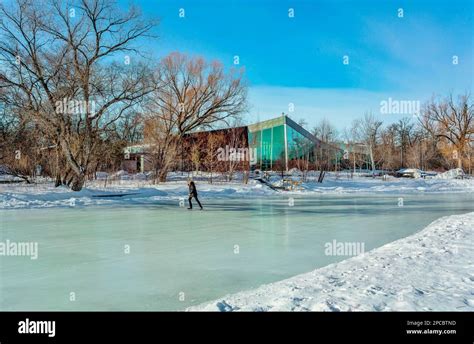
[
  {"x": 277, "y": 144},
  {"x": 278, "y": 141}
]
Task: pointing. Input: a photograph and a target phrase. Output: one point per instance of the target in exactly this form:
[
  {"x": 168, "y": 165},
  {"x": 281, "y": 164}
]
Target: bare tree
[
  {"x": 56, "y": 65},
  {"x": 237, "y": 141},
  {"x": 196, "y": 152},
  {"x": 18, "y": 155},
  {"x": 194, "y": 94},
  {"x": 350, "y": 137},
  {"x": 388, "y": 149},
  {"x": 367, "y": 131},
  {"x": 163, "y": 144},
  {"x": 327, "y": 133},
  {"x": 214, "y": 142},
  {"x": 452, "y": 121},
  {"x": 301, "y": 151},
  {"x": 404, "y": 131}
]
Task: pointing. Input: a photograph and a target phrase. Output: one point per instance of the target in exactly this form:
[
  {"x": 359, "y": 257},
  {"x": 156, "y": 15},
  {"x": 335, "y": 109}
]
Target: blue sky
[{"x": 300, "y": 60}]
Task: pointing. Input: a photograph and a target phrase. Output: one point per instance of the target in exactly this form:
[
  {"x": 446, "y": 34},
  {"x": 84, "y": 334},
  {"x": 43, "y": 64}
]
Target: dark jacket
[{"x": 192, "y": 189}]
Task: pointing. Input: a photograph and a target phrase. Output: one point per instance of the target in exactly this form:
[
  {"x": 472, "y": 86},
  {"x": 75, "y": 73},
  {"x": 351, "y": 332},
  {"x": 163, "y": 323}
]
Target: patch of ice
[{"x": 430, "y": 270}]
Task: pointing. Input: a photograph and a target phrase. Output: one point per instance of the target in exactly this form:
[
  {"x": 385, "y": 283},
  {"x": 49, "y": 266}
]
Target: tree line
[
  {"x": 75, "y": 89},
  {"x": 439, "y": 137}
]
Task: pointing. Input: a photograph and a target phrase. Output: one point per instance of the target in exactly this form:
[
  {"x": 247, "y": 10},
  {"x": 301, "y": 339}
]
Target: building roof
[
  {"x": 270, "y": 123},
  {"x": 274, "y": 122},
  {"x": 136, "y": 149}
]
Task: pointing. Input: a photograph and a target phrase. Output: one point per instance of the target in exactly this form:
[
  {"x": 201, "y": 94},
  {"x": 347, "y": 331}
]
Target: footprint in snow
[
  {"x": 332, "y": 307},
  {"x": 380, "y": 307},
  {"x": 297, "y": 300},
  {"x": 469, "y": 302},
  {"x": 419, "y": 291},
  {"x": 225, "y": 307}
]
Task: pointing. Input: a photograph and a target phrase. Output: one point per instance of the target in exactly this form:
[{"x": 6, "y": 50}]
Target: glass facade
[
  {"x": 278, "y": 141},
  {"x": 299, "y": 146},
  {"x": 269, "y": 145}
]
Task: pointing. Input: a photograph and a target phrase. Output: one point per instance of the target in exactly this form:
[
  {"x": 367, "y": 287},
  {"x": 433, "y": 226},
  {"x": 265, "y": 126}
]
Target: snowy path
[{"x": 430, "y": 270}]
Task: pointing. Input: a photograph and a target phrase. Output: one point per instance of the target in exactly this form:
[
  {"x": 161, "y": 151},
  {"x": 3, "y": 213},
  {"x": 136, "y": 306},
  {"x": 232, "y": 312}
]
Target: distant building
[
  {"x": 275, "y": 144},
  {"x": 279, "y": 142},
  {"x": 135, "y": 158}
]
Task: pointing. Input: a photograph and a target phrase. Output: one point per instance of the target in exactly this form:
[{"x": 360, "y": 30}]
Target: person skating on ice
[{"x": 193, "y": 193}]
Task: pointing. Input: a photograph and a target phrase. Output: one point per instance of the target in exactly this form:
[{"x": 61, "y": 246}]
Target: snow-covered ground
[
  {"x": 16, "y": 196},
  {"x": 432, "y": 270},
  {"x": 20, "y": 195}
]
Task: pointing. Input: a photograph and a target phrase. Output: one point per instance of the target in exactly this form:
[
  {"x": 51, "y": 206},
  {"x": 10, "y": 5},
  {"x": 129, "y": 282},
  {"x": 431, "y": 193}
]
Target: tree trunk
[
  {"x": 354, "y": 164},
  {"x": 372, "y": 162},
  {"x": 162, "y": 176},
  {"x": 66, "y": 176},
  {"x": 246, "y": 177},
  {"x": 77, "y": 182},
  {"x": 58, "y": 180}
]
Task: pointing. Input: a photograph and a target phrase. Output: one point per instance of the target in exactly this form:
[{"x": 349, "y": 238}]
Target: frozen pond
[{"x": 163, "y": 257}]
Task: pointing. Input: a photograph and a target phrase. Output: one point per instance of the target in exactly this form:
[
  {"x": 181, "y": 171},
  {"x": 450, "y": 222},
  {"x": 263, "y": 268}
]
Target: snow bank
[
  {"x": 431, "y": 270},
  {"x": 451, "y": 174},
  {"x": 334, "y": 184},
  {"x": 17, "y": 196},
  {"x": 143, "y": 192},
  {"x": 9, "y": 178}
]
